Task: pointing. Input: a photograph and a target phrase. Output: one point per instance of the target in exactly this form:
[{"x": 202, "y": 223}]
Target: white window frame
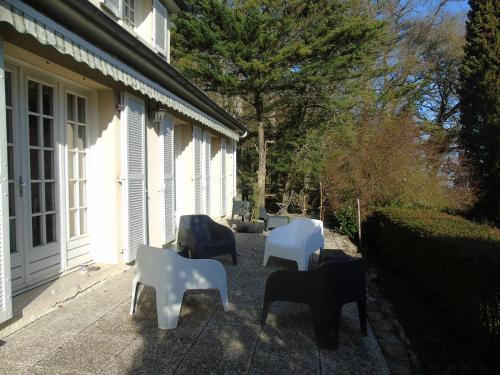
[
  {"x": 162, "y": 50},
  {"x": 133, "y": 9}
]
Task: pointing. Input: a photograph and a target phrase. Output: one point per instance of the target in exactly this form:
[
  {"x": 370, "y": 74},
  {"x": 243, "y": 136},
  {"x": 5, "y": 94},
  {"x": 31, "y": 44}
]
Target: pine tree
[
  {"x": 480, "y": 103},
  {"x": 256, "y": 50}
]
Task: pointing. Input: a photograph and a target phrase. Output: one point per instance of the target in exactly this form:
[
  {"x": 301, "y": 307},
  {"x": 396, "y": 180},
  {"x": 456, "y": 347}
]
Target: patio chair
[
  {"x": 295, "y": 241},
  {"x": 204, "y": 238},
  {"x": 171, "y": 275},
  {"x": 325, "y": 290},
  {"x": 238, "y": 207},
  {"x": 272, "y": 221}
]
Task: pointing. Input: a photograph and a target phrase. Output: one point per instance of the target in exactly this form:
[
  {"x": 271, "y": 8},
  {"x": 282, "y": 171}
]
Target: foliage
[
  {"x": 279, "y": 60},
  {"x": 480, "y": 102},
  {"x": 384, "y": 161},
  {"x": 347, "y": 221},
  {"x": 450, "y": 261}
]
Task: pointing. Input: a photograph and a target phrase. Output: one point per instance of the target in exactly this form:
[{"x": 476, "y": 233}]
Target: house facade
[{"x": 103, "y": 144}]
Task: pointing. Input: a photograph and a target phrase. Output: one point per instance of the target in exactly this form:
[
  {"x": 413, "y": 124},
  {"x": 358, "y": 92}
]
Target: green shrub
[
  {"x": 347, "y": 221},
  {"x": 453, "y": 262}
]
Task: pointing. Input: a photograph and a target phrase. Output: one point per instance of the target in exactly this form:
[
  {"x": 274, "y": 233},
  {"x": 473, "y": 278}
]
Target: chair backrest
[
  {"x": 153, "y": 262},
  {"x": 198, "y": 225},
  {"x": 237, "y": 205},
  {"x": 306, "y": 233},
  {"x": 263, "y": 213},
  {"x": 343, "y": 281}
]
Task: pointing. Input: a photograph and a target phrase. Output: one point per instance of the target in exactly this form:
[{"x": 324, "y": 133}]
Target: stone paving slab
[{"x": 94, "y": 334}]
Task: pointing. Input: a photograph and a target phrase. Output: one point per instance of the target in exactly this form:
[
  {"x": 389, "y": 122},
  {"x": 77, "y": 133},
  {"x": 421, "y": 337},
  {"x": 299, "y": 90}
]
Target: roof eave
[{"x": 100, "y": 29}]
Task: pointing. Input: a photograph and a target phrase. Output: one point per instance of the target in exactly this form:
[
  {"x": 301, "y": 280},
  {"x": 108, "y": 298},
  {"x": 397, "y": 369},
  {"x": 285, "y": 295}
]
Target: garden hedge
[{"x": 452, "y": 262}]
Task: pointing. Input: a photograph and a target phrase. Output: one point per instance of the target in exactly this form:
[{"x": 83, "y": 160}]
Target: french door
[{"x": 33, "y": 186}]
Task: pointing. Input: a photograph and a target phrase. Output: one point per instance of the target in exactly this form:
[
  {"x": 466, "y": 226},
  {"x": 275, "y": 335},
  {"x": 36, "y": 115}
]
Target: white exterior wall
[
  {"x": 105, "y": 159},
  {"x": 143, "y": 21},
  {"x": 184, "y": 162},
  {"x": 155, "y": 184},
  {"x": 106, "y": 243}
]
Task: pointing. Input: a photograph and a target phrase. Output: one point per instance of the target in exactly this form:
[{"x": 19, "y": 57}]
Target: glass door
[
  {"x": 15, "y": 182},
  {"x": 43, "y": 249}
]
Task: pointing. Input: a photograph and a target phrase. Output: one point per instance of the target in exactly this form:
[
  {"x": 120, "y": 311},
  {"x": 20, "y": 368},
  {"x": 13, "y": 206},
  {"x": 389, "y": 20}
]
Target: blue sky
[{"x": 453, "y": 6}]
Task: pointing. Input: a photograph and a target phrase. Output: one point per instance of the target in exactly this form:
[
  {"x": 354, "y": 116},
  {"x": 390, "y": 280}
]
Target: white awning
[{"x": 26, "y": 20}]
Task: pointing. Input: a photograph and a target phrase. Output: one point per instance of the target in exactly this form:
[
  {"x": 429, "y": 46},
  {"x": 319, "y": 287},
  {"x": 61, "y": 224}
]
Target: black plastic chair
[
  {"x": 326, "y": 290},
  {"x": 204, "y": 238}
]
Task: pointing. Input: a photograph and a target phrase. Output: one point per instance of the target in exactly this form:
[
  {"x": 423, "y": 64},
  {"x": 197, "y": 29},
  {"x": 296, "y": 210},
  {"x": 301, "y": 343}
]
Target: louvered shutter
[
  {"x": 198, "y": 174},
  {"x": 160, "y": 27},
  {"x": 114, "y": 6},
  {"x": 223, "y": 196},
  {"x": 207, "y": 144},
  {"x": 134, "y": 182},
  {"x": 167, "y": 144},
  {"x": 5, "y": 283},
  {"x": 229, "y": 169}
]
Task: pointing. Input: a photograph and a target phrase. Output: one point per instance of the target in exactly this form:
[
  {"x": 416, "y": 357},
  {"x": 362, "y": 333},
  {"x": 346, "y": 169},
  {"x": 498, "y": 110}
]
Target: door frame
[
  {"x": 61, "y": 85},
  {"x": 45, "y": 251}
]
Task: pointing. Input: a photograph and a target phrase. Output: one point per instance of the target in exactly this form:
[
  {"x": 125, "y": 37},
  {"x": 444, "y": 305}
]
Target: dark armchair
[
  {"x": 326, "y": 290},
  {"x": 204, "y": 238}
]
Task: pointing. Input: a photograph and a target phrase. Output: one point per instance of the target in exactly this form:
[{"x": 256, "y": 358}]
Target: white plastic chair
[
  {"x": 171, "y": 275},
  {"x": 295, "y": 241}
]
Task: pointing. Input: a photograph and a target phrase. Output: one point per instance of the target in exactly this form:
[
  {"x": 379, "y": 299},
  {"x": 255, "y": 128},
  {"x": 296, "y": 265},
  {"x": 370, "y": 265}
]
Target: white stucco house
[{"x": 103, "y": 144}]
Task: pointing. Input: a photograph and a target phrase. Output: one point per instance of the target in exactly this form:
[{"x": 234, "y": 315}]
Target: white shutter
[
  {"x": 198, "y": 174},
  {"x": 167, "y": 144},
  {"x": 5, "y": 283},
  {"x": 233, "y": 170},
  {"x": 160, "y": 27},
  {"x": 114, "y": 6},
  {"x": 207, "y": 145},
  {"x": 134, "y": 181},
  {"x": 223, "y": 196},
  {"x": 229, "y": 169}
]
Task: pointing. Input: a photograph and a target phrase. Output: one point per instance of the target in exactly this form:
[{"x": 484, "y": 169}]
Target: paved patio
[{"x": 94, "y": 334}]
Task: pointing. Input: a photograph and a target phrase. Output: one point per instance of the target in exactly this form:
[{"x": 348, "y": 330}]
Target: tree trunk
[
  {"x": 287, "y": 188},
  {"x": 261, "y": 173}
]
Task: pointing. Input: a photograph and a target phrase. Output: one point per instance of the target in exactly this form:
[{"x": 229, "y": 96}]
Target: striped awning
[{"x": 26, "y": 20}]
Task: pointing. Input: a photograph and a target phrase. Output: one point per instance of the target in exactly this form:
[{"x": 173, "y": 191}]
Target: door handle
[{"x": 21, "y": 185}]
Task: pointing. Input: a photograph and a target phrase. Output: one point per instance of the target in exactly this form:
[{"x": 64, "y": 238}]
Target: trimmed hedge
[{"x": 452, "y": 262}]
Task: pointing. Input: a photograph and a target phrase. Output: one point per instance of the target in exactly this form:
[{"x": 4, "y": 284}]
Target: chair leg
[
  {"x": 265, "y": 311},
  {"x": 224, "y": 298},
  {"x": 303, "y": 264},
  {"x": 266, "y": 257},
  {"x": 362, "y": 315},
  {"x": 135, "y": 296},
  {"x": 168, "y": 308},
  {"x": 233, "y": 255},
  {"x": 336, "y": 314}
]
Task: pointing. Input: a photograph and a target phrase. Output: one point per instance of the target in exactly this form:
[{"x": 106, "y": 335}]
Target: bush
[
  {"x": 450, "y": 261},
  {"x": 347, "y": 221}
]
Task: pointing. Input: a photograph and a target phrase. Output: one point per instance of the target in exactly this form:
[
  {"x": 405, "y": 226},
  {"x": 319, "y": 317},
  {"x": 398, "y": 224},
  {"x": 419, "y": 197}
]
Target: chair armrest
[
  {"x": 220, "y": 231},
  {"x": 185, "y": 237}
]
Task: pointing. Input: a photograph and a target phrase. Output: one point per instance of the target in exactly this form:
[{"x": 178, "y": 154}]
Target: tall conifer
[{"x": 480, "y": 103}]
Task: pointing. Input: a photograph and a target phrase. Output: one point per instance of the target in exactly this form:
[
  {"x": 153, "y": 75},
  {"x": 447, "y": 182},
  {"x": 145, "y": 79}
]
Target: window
[
  {"x": 129, "y": 12},
  {"x": 11, "y": 149},
  {"x": 76, "y": 138},
  {"x": 41, "y": 160}
]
